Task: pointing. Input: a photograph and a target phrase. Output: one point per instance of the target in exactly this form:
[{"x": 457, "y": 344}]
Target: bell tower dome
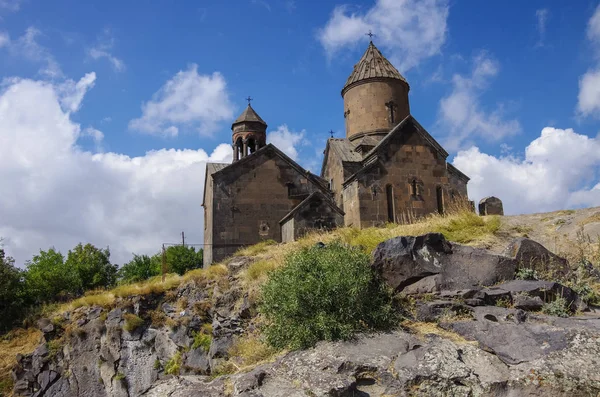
[
  {"x": 249, "y": 133},
  {"x": 375, "y": 97}
]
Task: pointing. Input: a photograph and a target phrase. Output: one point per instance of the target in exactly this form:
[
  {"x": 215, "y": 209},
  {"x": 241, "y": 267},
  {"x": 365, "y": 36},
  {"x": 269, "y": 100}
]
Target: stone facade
[
  {"x": 387, "y": 169},
  {"x": 317, "y": 212},
  {"x": 490, "y": 206},
  {"x": 245, "y": 201}
]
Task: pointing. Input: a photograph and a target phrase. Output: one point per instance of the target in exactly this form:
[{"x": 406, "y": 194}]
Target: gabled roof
[
  {"x": 420, "y": 130},
  {"x": 343, "y": 149},
  {"x": 306, "y": 201},
  {"x": 270, "y": 148},
  {"x": 211, "y": 168},
  {"x": 249, "y": 115},
  {"x": 372, "y": 157},
  {"x": 372, "y": 65},
  {"x": 453, "y": 170}
]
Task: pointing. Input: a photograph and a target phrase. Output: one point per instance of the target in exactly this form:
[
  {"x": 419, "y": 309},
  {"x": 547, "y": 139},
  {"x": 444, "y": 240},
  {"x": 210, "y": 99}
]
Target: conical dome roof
[
  {"x": 372, "y": 65},
  {"x": 249, "y": 115}
]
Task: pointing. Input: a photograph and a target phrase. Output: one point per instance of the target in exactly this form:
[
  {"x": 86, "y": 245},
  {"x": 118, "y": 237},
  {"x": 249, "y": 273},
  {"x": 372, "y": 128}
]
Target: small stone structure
[{"x": 491, "y": 206}]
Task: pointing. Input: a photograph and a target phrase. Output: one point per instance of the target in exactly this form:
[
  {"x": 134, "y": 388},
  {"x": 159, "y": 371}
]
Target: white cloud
[
  {"x": 287, "y": 141},
  {"x": 56, "y": 194},
  {"x": 188, "y": 100},
  {"x": 102, "y": 49},
  {"x": 588, "y": 100},
  {"x": 409, "y": 30},
  {"x": 461, "y": 117},
  {"x": 71, "y": 93},
  {"x": 542, "y": 19},
  {"x": 10, "y": 5},
  {"x": 556, "y": 173},
  {"x": 27, "y": 47},
  {"x": 4, "y": 39}
]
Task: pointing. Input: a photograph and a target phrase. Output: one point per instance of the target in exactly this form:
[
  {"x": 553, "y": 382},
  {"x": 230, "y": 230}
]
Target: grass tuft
[
  {"x": 173, "y": 366},
  {"x": 256, "y": 249},
  {"x": 132, "y": 322}
]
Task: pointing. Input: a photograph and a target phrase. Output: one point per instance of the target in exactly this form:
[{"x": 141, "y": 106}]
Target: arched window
[
  {"x": 251, "y": 145},
  {"x": 414, "y": 188},
  {"x": 391, "y": 211}
]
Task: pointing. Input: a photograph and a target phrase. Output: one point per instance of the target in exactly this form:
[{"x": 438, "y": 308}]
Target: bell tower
[
  {"x": 249, "y": 133},
  {"x": 375, "y": 97}
]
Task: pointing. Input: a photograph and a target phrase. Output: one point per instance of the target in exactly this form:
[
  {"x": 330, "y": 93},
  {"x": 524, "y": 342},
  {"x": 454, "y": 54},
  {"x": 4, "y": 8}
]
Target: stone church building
[{"x": 387, "y": 169}]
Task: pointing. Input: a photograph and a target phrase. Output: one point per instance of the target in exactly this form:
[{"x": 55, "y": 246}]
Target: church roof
[
  {"x": 270, "y": 148},
  {"x": 211, "y": 168},
  {"x": 345, "y": 150},
  {"x": 312, "y": 197},
  {"x": 371, "y": 158},
  {"x": 372, "y": 65},
  {"x": 249, "y": 114}
]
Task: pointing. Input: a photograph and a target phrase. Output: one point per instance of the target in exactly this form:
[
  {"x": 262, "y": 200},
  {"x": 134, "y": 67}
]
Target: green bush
[
  {"x": 558, "y": 307},
  {"x": 527, "y": 274},
  {"x": 173, "y": 366},
  {"x": 140, "y": 268},
  {"x": 326, "y": 293}
]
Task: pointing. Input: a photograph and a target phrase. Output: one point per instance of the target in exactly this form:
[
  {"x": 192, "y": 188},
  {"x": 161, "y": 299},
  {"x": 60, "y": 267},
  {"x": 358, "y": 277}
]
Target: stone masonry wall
[
  {"x": 316, "y": 216},
  {"x": 364, "y": 106},
  {"x": 208, "y": 222},
  {"x": 408, "y": 157},
  {"x": 250, "y": 199}
]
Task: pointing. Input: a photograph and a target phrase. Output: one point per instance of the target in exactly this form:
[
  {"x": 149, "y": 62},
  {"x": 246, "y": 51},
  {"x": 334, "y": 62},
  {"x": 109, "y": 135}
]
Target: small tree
[
  {"x": 182, "y": 258},
  {"x": 93, "y": 267},
  {"x": 48, "y": 278},
  {"x": 141, "y": 267},
  {"x": 11, "y": 292},
  {"x": 324, "y": 293}
]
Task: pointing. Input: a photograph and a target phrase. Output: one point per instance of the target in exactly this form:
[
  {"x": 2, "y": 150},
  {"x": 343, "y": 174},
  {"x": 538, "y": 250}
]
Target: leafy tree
[
  {"x": 11, "y": 292},
  {"x": 92, "y": 266},
  {"x": 48, "y": 278},
  {"x": 181, "y": 258},
  {"x": 324, "y": 293},
  {"x": 141, "y": 267}
]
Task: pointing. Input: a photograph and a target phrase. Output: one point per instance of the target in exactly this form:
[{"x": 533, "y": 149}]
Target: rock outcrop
[
  {"x": 437, "y": 264},
  {"x": 473, "y": 331}
]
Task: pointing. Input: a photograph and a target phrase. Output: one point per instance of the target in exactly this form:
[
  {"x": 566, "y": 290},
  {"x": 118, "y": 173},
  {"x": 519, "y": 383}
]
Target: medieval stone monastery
[{"x": 387, "y": 169}]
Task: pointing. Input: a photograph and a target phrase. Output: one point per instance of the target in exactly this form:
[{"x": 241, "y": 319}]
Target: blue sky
[{"x": 134, "y": 81}]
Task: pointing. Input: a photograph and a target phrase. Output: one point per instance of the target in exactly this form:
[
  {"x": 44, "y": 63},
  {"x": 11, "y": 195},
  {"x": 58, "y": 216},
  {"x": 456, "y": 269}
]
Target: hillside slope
[{"x": 467, "y": 329}]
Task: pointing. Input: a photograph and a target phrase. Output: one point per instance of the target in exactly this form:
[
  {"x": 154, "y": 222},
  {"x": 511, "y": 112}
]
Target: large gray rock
[
  {"x": 403, "y": 261},
  {"x": 530, "y": 254},
  {"x": 546, "y": 291}
]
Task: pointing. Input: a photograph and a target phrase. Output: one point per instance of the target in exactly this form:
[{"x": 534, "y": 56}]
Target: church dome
[
  {"x": 249, "y": 115},
  {"x": 372, "y": 65}
]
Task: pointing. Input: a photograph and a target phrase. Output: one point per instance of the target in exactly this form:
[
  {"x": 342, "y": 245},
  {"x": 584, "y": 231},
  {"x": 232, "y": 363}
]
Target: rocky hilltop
[{"x": 475, "y": 323}]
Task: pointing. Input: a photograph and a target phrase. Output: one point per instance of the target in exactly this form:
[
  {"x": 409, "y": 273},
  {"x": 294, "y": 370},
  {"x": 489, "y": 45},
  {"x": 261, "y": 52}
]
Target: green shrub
[
  {"x": 527, "y": 274},
  {"x": 120, "y": 376},
  {"x": 132, "y": 322},
  {"x": 173, "y": 366},
  {"x": 324, "y": 293},
  {"x": 202, "y": 340},
  {"x": 558, "y": 307}
]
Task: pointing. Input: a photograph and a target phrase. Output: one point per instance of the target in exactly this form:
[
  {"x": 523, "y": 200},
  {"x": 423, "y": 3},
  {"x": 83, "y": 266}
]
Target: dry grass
[
  {"x": 247, "y": 352},
  {"x": 424, "y": 329},
  {"x": 211, "y": 273},
  {"x": 256, "y": 248},
  {"x": 21, "y": 341},
  {"x": 590, "y": 219}
]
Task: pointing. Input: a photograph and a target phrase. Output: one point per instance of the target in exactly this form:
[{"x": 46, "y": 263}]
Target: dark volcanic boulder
[
  {"x": 403, "y": 261},
  {"x": 532, "y": 255},
  {"x": 546, "y": 291}
]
